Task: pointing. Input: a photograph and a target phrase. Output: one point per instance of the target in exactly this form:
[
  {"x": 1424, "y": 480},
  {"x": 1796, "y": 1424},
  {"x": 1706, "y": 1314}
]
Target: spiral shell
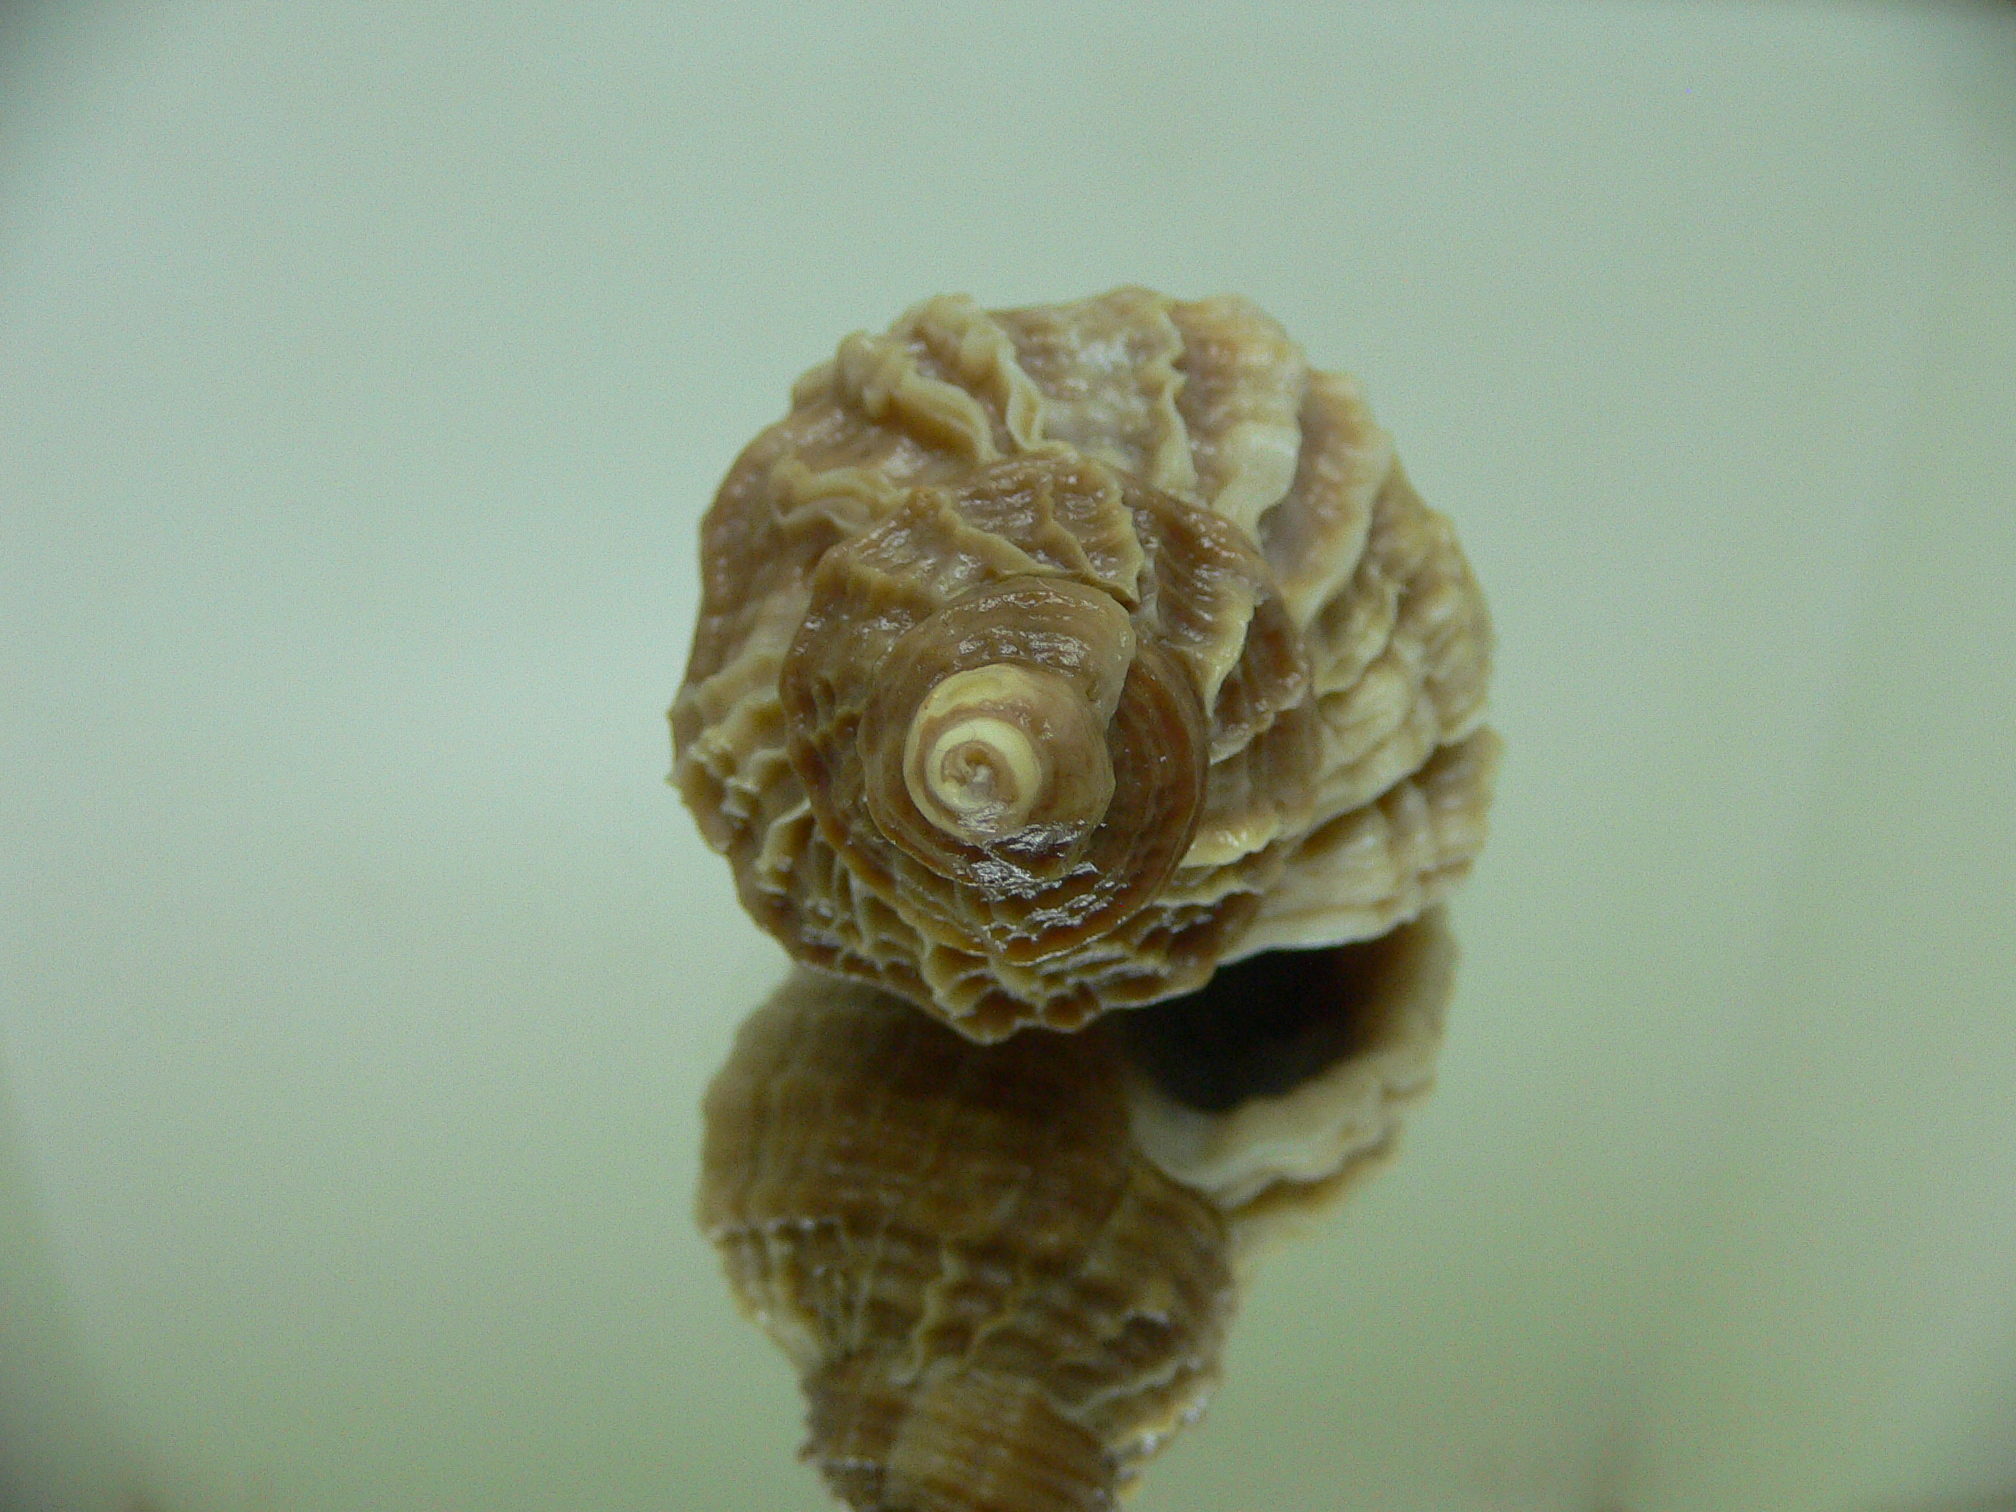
[{"x": 1049, "y": 658}]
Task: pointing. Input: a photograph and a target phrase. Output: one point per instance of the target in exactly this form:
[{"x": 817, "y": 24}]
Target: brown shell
[
  {"x": 996, "y": 1303},
  {"x": 1197, "y": 673}
]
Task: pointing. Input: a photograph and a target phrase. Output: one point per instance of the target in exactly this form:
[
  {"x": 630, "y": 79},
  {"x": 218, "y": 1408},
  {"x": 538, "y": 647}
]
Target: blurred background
[{"x": 364, "y": 371}]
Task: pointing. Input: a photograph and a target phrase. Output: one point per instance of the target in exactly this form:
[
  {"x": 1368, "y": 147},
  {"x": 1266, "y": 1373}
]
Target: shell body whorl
[{"x": 1048, "y": 658}]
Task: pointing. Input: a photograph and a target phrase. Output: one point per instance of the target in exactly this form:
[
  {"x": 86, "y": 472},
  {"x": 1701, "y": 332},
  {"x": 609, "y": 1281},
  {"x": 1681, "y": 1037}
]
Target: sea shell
[
  {"x": 1004, "y": 1273},
  {"x": 995, "y": 1302},
  {"x": 1049, "y": 658}
]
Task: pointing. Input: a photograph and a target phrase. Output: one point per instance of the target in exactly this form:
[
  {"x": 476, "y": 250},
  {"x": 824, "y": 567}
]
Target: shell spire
[{"x": 1050, "y": 658}]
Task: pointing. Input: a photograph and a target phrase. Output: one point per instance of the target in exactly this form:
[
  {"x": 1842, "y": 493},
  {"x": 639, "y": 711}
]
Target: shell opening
[{"x": 997, "y": 750}]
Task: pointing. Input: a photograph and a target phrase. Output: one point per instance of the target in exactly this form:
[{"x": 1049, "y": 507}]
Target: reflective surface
[
  {"x": 361, "y": 381},
  {"x": 993, "y": 1300},
  {"x": 1004, "y": 1273}
]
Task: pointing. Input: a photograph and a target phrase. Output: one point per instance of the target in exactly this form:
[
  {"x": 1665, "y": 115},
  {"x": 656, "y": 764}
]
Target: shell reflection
[{"x": 1005, "y": 1273}]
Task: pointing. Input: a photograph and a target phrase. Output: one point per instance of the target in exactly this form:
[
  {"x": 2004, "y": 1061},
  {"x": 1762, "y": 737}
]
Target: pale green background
[{"x": 363, "y": 372}]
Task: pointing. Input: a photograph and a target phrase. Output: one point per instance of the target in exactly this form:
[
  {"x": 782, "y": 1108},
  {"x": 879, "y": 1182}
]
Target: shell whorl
[
  {"x": 1050, "y": 658},
  {"x": 1001, "y": 752},
  {"x": 954, "y": 611},
  {"x": 996, "y": 709}
]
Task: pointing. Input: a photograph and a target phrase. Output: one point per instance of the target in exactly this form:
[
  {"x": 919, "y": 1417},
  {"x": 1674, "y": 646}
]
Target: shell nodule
[{"x": 1050, "y": 658}]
